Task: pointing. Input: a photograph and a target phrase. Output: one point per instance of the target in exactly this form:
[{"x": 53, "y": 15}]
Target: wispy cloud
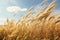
[
  {"x": 15, "y": 9},
  {"x": 2, "y": 20},
  {"x": 10, "y": 0},
  {"x": 57, "y": 12}
]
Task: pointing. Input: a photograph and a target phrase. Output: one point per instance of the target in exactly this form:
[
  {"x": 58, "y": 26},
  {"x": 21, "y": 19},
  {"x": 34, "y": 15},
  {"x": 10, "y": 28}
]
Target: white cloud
[{"x": 15, "y": 9}]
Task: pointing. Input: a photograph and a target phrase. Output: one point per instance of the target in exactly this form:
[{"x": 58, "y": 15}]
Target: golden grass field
[{"x": 44, "y": 25}]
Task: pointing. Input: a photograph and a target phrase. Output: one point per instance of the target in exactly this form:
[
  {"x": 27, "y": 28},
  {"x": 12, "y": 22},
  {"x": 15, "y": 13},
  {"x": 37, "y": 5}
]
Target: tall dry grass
[{"x": 41, "y": 26}]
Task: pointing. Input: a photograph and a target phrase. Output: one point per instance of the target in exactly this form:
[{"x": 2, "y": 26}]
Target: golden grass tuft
[{"x": 42, "y": 26}]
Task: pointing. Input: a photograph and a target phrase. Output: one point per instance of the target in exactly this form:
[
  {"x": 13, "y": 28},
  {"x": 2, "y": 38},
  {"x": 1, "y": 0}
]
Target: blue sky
[{"x": 10, "y": 7}]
